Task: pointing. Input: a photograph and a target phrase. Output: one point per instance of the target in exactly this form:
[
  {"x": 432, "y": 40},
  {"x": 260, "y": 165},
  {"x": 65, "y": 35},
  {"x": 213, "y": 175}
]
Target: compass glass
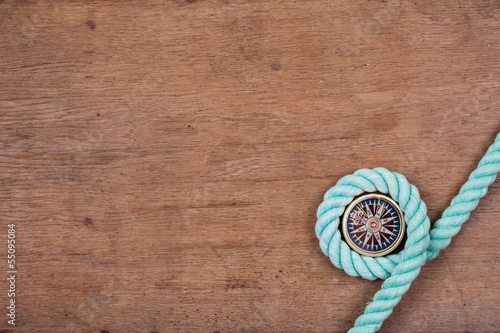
[{"x": 373, "y": 225}]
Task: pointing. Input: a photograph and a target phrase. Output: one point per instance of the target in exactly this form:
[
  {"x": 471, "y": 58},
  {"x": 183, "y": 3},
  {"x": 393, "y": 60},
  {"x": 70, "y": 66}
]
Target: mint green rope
[{"x": 423, "y": 244}]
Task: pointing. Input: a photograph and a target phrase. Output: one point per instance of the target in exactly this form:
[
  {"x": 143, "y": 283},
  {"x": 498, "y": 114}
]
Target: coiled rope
[{"x": 398, "y": 270}]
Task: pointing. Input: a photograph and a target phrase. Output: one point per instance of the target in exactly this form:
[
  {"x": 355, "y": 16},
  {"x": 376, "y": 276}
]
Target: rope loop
[{"x": 339, "y": 196}]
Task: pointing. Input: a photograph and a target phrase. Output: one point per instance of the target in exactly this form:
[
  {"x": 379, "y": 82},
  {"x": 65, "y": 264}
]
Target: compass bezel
[{"x": 345, "y": 219}]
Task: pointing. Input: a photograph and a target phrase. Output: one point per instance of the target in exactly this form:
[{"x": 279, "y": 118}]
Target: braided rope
[{"x": 398, "y": 270}]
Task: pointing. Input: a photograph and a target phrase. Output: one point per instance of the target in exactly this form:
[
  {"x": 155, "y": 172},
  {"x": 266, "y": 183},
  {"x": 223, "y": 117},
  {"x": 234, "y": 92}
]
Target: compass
[{"x": 373, "y": 225}]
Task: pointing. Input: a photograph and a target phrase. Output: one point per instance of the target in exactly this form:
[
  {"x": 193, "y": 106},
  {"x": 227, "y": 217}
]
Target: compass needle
[{"x": 362, "y": 210}]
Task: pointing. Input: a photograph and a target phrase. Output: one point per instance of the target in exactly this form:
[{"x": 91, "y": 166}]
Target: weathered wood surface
[{"x": 163, "y": 160}]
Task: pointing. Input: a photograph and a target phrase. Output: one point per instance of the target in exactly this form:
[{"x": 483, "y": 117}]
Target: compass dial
[{"x": 373, "y": 225}]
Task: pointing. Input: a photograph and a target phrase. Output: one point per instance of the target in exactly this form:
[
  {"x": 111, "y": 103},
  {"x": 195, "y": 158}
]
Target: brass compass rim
[{"x": 392, "y": 247}]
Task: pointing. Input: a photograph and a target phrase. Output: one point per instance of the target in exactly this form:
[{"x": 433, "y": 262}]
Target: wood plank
[{"x": 163, "y": 160}]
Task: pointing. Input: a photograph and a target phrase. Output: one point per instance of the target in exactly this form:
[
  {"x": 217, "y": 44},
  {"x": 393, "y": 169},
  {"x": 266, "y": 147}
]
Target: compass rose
[{"x": 373, "y": 225}]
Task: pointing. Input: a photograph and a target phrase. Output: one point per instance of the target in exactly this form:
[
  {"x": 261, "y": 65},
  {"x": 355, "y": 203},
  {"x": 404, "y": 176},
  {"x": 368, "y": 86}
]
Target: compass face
[{"x": 373, "y": 225}]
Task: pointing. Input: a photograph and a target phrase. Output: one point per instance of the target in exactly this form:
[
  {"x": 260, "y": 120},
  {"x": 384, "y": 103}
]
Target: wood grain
[{"x": 163, "y": 160}]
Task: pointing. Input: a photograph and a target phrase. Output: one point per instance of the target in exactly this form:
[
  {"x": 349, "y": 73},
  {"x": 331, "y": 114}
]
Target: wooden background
[{"x": 163, "y": 160}]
